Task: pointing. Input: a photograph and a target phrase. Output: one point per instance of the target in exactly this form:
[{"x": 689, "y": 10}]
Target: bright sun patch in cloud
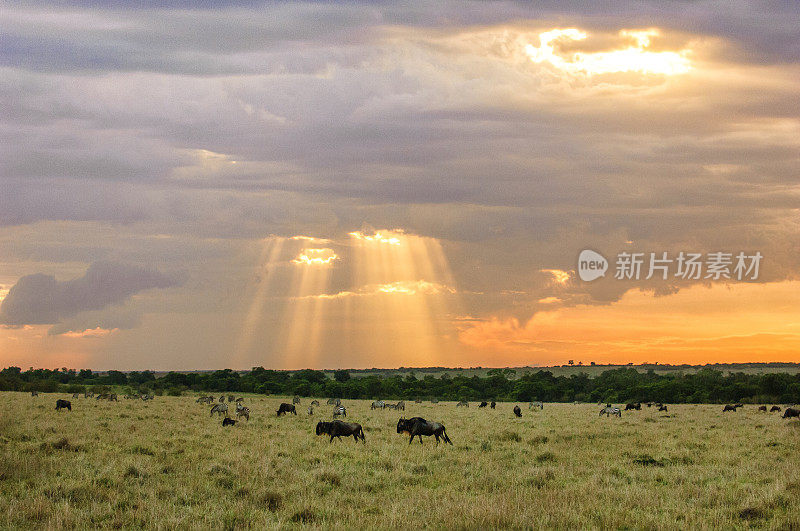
[
  {"x": 312, "y": 257},
  {"x": 92, "y": 332},
  {"x": 390, "y": 237},
  {"x": 635, "y": 57},
  {"x": 558, "y": 275},
  {"x": 312, "y": 239}
]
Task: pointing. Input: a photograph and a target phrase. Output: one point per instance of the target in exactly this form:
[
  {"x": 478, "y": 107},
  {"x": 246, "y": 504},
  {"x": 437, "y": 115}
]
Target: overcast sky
[{"x": 444, "y": 164}]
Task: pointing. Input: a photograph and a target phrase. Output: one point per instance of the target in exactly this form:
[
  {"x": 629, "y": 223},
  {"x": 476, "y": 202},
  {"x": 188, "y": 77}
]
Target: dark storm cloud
[{"x": 41, "y": 299}]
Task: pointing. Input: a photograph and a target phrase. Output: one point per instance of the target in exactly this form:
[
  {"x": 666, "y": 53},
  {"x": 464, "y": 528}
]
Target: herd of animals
[{"x": 414, "y": 427}]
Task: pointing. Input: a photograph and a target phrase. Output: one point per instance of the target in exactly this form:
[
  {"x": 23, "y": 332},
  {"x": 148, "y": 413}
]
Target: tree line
[{"x": 614, "y": 385}]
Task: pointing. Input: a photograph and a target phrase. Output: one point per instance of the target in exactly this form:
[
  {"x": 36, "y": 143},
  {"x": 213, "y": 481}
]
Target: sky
[{"x": 202, "y": 185}]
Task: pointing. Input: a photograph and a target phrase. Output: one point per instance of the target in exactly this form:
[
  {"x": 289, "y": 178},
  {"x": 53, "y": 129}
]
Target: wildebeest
[
  {"x": 285, "y": 408},
  {"x": 338, "y": 428},
  {"x": 517, "y": 411},
  {"x": 220, "y": 408},
  {"x": 315, "y": 403},
  {"x": 637, "y": 406},
  {"x": 66, "y": 404},
  {"x": 34, "y": 393},
  {"x": 296, "y": 400},
  {"x": 762, "y": 408},
  {"x": 243, "y": 411},
  {"x": 610, "y": 410},
  {"x": 493, "y": 404},
  {"x": 483, "y": 404},
  {"x": 418, "y": 426},
  {"x": 339, "y": 411},
  {"x": 378, "y": 404},
  {"x": 774, "y": 408},
  {"x": 228, "y": 422},
  {"x": 334, "y": 402},
  {"x": 791, "y": 412},
  {"x": 728, "y": 407},
  {"x": 662, "y": 407},
  {"x": 463, "y": 403}
]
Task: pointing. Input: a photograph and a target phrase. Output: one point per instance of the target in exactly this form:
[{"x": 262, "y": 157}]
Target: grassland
[{"x": 167, "y": 464}]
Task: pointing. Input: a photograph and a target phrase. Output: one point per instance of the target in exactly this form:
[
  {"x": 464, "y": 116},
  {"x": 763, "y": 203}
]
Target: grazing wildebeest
[
  {"x": 463, "y": 403},
  {"x": 728, "y": 407},
  {"x": 610, "y": 410},
  {"x": 334, "y": 402},
  {"x": 339, "y": 411},
  {"x": 636, "y": 406},
  {"x": 296, "y": 400},
  {"x": 378, "y": 404},
  {"x": 338, "y": 428},
  {"x": 220, "y": 408},
  {"x": 315, "y": 403},
  {"x": 483, "y": 404},
  {"x": 417, "y": 427},
  {"x": 762, "y": 408},
  {"x": 285, "y": 408},
  {"x": 662, "y": 408},
  {"x": 243, "y": 411},
  {"x": 774, "y": 408},
  {"x": 228, "y": 422},
  {"x": 791, "y": 412},
  {"x": 517, "y": 411},
  {"x": 493, "y": 404},
  {"x": 34, "y": 393},
  {"x": 535, "y": 405},
  {"x": 66, "y": 403}
]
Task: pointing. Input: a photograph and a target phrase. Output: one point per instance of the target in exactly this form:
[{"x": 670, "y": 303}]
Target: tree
[{"x": 341, "y": 375}]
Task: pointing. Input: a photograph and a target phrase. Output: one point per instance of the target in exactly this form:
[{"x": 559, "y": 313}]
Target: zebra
[
  {"x": 240, "y": 399},
  {"x": 315, "y": 403},
  {"x": 231, "y": 398},
  {"x": 391, "y": 406},
  {"x": 434, "y": 401},
  {"x": 401, "y": 406},
  {"x": 243, "y": 411},
  {"x": 609, "y": 411},
  {"x": 222, "y": 399},
  {"x": 535, "y": 405},
  {"x": 296, "y": 400},
  {"x": 75, "y": 395},
  {"x": 339, "y": 410},
  {"x": 378, "y": 404},
  {"x": 205, "y": 400},
  {"x": 220, "y": 408},
  {"x": 310, "y": 410},
  {"x": 334, "y": 402},
  {"x": 34, "y": 393},
  {"x": 463, "y": 403},
  {"x": 145, "y": 398}
]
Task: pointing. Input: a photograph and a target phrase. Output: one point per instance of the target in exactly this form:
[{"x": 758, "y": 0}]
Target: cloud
[{"x": 41, "y": 299}]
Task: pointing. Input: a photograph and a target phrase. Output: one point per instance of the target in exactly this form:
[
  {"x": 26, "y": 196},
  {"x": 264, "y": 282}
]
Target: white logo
[{"x": 591, "y": 265}]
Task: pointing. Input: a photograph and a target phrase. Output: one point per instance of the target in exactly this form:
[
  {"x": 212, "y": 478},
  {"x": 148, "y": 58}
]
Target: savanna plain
[{"x": 167, "y": 463}]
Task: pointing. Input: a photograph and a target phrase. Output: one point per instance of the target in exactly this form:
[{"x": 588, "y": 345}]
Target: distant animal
[
  {"x": 205, "y": 400},
  {"x": 75, "y": 395},
  {"x": 285, "y": 408},
  {"x": 334, "y": 402},
  {"x": 728, "y": 407},
  {"x": 220, "y": 408},
  {"x": 463, "y": 403},
  {"x": 762, "y": 408},
  {"x": 400, "y": 405},
  {"x": 310, "y": 410},
  {"x": 774, "y": 408},
  {"x": 662, "y": 408},
  {"x": 338, "y": 428},
  {"x": 228, "y": 422},
  {"x": 536, "y": 405},
  {"x": 66, "y": 404},
  {"x": 339, "y": 411},
  {"x": 483, "y": 404},
  {"x": 243, "y": 411},
  {"x": 239, "y": 399},
  {"x": 636, "y": 406},
  {"x": 649, "y": 404},
  {"x": 296, "y": 400},
  {"x": 791, "y": 412},
  {"x": 434, "y": 401},
  {"x": 315, "y": 403},
  {"x": 222, "y": 398},
  {"x": 378, "y": 404},
  {"x": 492, "y": 404},
  {"x": 34, "y": 393},
  {"x": 145, "y": 398},
  {"x": 231, "y": 398},
  {"x": 517, "y": 411},
  {"x": 87, "y": 394},
  {"x": 738, "y": 405},
  {"x": 417, "y": 427},
  {"x": 610, "y": 410},
  {"x": 418, "y": 401},
  {"x": 658, "y": 404}
]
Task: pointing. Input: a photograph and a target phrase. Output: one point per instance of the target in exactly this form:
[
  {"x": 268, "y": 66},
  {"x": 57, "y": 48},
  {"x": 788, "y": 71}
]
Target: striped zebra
[
  {"x": 334, "y": 402},
  {"x": 204, "y": 400},
  {"x": 339, "y": 411},
  {"x": 535, "y": 405},
  {"x": 220, "y": 408},
  {"x": 296, "y": 400},
  {"x": 463, "y": 403},
  {"x": 34, "y": 393},
  {"x": 243, "y": 411},
  {"x": 75, "y": 395},
  {"x": 609, "y": 411},
  {"x": 315, "y": 403},
  {"x": 378, "y": 404}
]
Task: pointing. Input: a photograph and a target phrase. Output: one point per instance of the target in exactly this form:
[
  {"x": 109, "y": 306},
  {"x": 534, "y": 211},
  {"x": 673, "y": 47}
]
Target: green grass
[{"x": 166, "y": 463}]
